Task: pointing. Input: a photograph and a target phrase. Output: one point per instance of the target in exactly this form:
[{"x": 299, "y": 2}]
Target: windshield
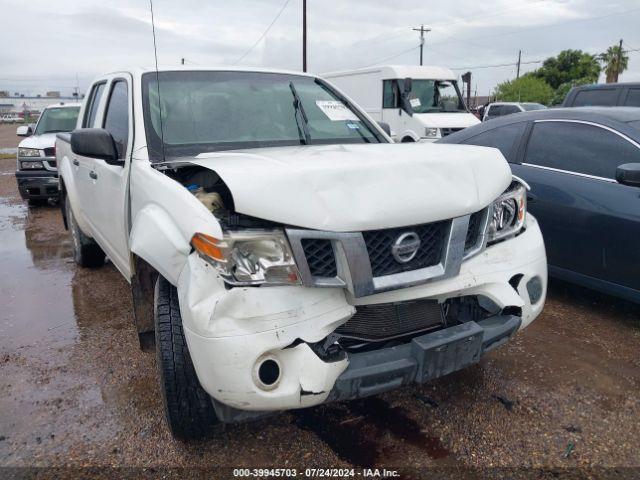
[
  {"x": 435, "y": 96},
  {"x": 209, "y": 111},
  {"x": 532, "y": 106},
  {"x": 55, "y": 120}
]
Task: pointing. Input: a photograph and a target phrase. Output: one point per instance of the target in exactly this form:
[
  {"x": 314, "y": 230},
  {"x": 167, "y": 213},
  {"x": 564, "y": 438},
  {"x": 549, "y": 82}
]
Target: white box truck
[{"x": 419, "y": 103}]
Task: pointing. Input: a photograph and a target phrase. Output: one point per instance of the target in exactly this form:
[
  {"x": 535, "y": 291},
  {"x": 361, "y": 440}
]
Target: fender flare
[{"x": 156, "y": 239}]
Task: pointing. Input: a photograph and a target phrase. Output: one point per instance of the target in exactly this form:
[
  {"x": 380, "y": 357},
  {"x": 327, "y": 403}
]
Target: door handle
[
  {"x": 531, "y": 198},
  {"x": 93, "y": 175},
  {"x": 76, "y": 163}
]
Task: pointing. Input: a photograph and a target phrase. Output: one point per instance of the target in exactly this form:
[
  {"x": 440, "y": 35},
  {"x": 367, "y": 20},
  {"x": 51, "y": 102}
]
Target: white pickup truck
[{"x": 281, "y": 250}]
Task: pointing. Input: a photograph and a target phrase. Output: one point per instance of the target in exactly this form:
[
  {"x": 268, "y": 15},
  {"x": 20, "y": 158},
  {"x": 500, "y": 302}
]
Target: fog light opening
[
  {"x": 534, "y": 289},
  {"x": 268, "y": 373}
]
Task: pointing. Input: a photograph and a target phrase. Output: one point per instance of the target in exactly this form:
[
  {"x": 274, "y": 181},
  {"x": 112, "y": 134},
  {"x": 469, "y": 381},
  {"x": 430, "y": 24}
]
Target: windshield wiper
[{"x": 305, "y": 136}]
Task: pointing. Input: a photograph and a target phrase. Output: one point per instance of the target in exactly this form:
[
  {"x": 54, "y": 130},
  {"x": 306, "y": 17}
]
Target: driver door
[{"x": 108, "y": 209}]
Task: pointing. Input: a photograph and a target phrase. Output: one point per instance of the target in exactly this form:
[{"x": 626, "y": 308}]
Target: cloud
[{"x": 51, "y": 44}]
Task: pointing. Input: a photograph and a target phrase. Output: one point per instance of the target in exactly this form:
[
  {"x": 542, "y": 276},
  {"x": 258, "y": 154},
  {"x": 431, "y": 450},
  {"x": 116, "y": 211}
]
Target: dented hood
[{"x": 360, "y": 187}]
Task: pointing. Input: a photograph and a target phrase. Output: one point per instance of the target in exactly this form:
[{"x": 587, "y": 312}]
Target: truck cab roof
[{"x": 400, "y": 71}]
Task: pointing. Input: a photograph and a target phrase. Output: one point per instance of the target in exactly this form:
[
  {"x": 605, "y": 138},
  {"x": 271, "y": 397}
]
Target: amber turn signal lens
[{"x": 208, "y": 246}]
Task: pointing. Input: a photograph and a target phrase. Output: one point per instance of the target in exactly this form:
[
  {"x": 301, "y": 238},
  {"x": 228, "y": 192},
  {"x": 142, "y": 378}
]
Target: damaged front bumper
[{"x": 234, "y": 333}]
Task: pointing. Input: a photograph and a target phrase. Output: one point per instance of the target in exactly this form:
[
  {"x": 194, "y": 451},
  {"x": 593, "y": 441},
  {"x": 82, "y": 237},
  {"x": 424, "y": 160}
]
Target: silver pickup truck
[{"x": 36, "y": 171}]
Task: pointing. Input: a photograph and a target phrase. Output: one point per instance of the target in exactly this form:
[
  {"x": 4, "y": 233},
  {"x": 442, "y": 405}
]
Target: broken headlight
[
  {"x": 508, "y": 212},
  {"x": 260, "y": 257}
]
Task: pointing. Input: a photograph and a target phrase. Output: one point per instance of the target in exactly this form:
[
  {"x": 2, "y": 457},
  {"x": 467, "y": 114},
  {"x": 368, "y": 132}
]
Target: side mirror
[
  {"x": 385, "y": 126},
  {"x": 629, "y": 174},
  {"x": 95, "y": 143},
  {"x": 24, "y": 131},
  {"x": 407, "y": 85}
]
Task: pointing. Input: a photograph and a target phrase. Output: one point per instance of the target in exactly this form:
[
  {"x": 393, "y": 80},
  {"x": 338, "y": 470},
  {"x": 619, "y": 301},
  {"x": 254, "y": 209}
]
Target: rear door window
[
  {"x": 505, "y": 138},
  {"x": 580, "y": 148},
  {"x": 604, "y": 97},
  {"x": 94, "y": 102}
]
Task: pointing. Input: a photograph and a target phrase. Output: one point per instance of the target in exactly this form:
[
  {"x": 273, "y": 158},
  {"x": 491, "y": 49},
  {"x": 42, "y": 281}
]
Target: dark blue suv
[{"x": 583, "y": 166}]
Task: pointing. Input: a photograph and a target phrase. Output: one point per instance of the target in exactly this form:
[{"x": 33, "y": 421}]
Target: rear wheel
[
  {"x": 188, "y": 408},
  {"x": 86, "y": 252}
]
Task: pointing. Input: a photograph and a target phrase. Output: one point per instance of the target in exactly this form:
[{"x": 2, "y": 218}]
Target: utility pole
[
  {"x": 466, "y": 78},
  {"x": 77, "y": 88},
  {"x": 619, "y": 62},
  {"x": 519, "y": 58},
  {"x": 304, "y": 35},
  {"x": 182, "y": 61},
  {"x": 422, "y": 31}
]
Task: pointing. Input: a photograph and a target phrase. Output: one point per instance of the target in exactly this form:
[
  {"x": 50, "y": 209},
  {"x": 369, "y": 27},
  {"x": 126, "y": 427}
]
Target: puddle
[
  {"x": 36, "y": 306},
  {"x": 396, "y": 421},
  {"x": 371, "y": 433}
]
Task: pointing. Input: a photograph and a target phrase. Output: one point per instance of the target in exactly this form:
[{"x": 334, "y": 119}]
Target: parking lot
[{"x": 75, "y": 389}]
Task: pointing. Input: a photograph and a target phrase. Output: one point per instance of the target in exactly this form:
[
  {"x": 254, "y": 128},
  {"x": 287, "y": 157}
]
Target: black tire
[
  {"x": 407, "y": 140},
  {"x": 188, "y": 408},
  {"x": 86, "y": 252}
]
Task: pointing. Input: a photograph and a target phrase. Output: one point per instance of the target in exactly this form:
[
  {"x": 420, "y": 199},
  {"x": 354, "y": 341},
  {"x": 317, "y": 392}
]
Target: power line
[
  {"x": 512, "y": 64},
  {"x": 382, "y": 37},
  {"x": 382, "y": 60},
  {"x": 481, "y": 14},
  {"x": 540, "y": 27},
  {"x": 263, "y": 33}
]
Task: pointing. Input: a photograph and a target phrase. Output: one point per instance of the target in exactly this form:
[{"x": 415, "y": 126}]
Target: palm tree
[{"x": 615, "y": 62}]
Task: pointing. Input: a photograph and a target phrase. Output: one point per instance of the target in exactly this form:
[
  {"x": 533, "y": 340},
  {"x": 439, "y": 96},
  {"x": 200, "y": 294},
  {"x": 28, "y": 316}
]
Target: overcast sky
[{"x": 45, "y": 44}]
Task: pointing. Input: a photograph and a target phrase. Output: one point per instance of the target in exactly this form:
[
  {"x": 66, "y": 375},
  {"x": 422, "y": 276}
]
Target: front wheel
[
  {"x": 188, "y": 408},
  {"x": 86, "y": 252}
]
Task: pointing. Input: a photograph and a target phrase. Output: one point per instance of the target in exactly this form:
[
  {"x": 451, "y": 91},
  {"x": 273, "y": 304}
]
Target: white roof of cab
[
  {"x": 137, "y": 72},
  {"x": 427, "y": 72},
  {"x": 63, "y": 105}
]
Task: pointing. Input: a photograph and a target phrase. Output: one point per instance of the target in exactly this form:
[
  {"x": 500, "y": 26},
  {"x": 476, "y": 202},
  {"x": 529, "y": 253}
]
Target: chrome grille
[
  {"x": 379, "y": 243},
  {"x": 449, "y": 131},
  {"x": 320, "y": 257},
  {"x": 364, "y": 264},
  {"x": 473, "y": 232}
]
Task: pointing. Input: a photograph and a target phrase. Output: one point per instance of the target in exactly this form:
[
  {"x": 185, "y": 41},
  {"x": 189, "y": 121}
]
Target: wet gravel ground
[{"x": 76, "y": 391}]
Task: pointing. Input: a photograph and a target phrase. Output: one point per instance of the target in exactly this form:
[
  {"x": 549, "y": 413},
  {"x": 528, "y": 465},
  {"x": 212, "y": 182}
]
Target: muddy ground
[
  {"x": 76, "y": 391},
  {"x": 8, "y": 139}
]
